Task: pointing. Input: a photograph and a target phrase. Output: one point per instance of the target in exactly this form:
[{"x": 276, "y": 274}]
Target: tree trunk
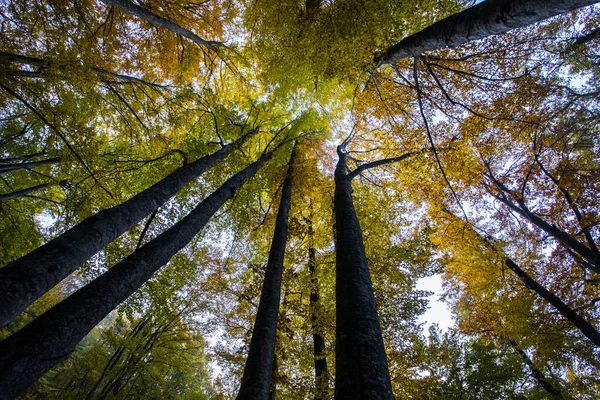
[
  {"x": 321, "y": 372},
  {"x": 538, "y": 375},
  {"x": 4, "y": 168},
  {"x": 490, "y": 17},
  {"x": 49, "y": 339},
  {"x": 23, "y": 192},
  {"x": 568, "y": 241},
  {"x": 159, "y": 21},
  {"x": 26, "y": 279},
  {"x": 585, "y": 327},
  {"x": 361, "y": 363},
  {"x": 258, "y": 369}
]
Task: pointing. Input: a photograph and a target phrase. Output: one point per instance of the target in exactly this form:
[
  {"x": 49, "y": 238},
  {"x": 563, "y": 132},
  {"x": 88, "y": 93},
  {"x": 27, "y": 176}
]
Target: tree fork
[
  {"x": 361, "y": 362},
  {"x": 28, "y": 278},
  {"x": 256, "y": 380},
  {"x": 490, "y": 17},
  {"x": 49, "y": 339}
]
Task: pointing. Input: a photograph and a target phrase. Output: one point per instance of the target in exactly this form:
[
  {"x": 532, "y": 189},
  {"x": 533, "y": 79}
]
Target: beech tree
[{"x": 146, "y": 164}]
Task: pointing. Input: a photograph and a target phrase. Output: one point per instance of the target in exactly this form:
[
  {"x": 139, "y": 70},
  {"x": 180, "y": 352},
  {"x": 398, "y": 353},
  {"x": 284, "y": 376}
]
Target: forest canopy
[{"x": 237, "y": 199}]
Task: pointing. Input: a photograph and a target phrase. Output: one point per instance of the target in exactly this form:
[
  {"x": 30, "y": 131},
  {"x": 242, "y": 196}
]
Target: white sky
[{"x": 438, "y": 311}]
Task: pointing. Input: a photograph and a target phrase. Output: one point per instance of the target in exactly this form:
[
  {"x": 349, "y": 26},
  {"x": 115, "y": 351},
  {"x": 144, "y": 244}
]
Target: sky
[{"x": 438, "y": 312}]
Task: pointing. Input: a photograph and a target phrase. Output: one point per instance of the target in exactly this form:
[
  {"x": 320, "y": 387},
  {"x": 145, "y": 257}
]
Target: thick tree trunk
[
  {"x": 26, "y": 279},
  {"x": 361, "y": 363},
  {"x": 490, "y": 17},
  {"x": 537, "y": 374},
  {"x": 5, "y": 168},
  {"x": 159, "y": 21},
  {"x": 585, "y": 327},
  {"x": 257, "y": 371},
  {"x": 321, "y": 372},
  {"x": 24, "y": 192},
  {"x": 32, "y": 351}
]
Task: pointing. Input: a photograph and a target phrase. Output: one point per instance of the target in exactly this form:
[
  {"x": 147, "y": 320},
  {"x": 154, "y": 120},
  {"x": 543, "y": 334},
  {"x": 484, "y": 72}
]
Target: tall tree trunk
[
  {"x": 321, "y": 372},
  {"x": 49, "y": 339},
  {"x": 490, "y": 17},
  {"x": 24, "y": 192},
  {"x": 4, "y": 168},
  {"x": 361, "y": 363},
  {"x": 26, "y": 279},
  {"x": 585, "y": 327},
  {"x": 258, "y": 369},
  {"x": 157, "y": 20},
  {"x": 538, "y": 375}
]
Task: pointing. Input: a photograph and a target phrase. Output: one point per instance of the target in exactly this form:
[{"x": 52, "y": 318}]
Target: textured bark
[
  {"x": 26, "y": 279},
  {"x": 157, "y": 20},
  {"x": 24, "y": 192},
  {"x": 4, "y": 168},
  {"x": 537, "y": 374},
  {"x": 487, "y": 18},
  {"x": 258, "y": 369},
  {"x": 321, "y": 372},
  {"x": 361, "y": 363},
  {"x": 585, "y": 327},
  {"x": 49, "y": 339}
]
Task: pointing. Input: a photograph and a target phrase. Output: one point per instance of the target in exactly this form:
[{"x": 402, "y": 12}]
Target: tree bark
[
  {"x": 4, "y": 168},
  {"x": 256, "y": 380},
  {"x": 361, "y": 362},
  {"x": 49, "y": 339},
  {"x": 26, "y": 279},
  {"x": 321, "y": 372},
  {"x": 490, "y": 17},
  {"x": 159, "y": 21},
  {"x": 24, "y": 192},
  {"x": 571, "y": 315}
]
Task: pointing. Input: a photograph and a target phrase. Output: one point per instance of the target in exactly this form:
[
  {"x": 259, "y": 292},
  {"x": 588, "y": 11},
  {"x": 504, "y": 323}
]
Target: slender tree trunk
[
  {"x": 585, "y": 327},
  {"x": 321, "y": 372},
  {"x": 159, "y": 21},
  {"x": 538, "y": 375},
  {"x": 49, "y": 339},
  {"x": 23, "y": 192},
  {"x": 361, "y": 363},
  {"x": 570, "y": 242},
  {"x": 26, "y": 279},
  {"x": 273, "y": 385},
  {"x": 23, "y": 158},
  {"x": 257, "y": 371},
  {"x": 490, "y": 17},
  {"x": 5, "y": 168}
]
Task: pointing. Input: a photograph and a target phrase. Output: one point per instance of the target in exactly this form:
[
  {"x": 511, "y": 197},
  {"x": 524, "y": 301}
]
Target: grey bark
[
  {"x": 361, "y": 362},
  {"x": 157, "y": 20},
  {"x": 24, "y": 192},
  {"x": 256, "y": 379},
  {"x": 490, "y": 17},
  {"x": 26, "y": 279},
  {"x": 49, "y": 339},
  {"x": 4, "y": 168}
]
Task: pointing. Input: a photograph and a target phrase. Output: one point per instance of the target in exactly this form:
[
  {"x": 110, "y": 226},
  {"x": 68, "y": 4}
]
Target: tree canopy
[{"x": 241, "y": 197}]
